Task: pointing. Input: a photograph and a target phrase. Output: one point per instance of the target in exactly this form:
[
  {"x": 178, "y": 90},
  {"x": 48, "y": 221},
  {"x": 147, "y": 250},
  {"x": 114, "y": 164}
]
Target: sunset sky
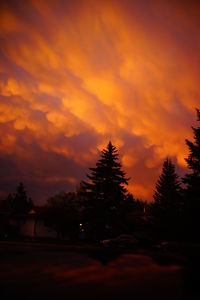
[{"x": 76, "y": 74}]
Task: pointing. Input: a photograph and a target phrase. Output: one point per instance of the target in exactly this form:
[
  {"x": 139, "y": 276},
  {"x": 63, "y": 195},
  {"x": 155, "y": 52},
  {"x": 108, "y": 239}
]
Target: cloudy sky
[{"x": 76, "y": 74}]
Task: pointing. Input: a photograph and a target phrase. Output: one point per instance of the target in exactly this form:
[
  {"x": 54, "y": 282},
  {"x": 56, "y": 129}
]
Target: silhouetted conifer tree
[
  {"x": 20, "y": 201},
  {"x": 167, "y": 205},
  {"x": 6, "y": 204},
  {"x": 192, "y": 182},
  {"x": 105, "y": 192}
]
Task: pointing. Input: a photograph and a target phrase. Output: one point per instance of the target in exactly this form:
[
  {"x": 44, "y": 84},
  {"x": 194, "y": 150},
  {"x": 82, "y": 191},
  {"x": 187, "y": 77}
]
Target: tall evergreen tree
[
  {"x": 106, "y": 193},
  {"x": 192, "y": 183},
  {"x": 167, "y": 200}
]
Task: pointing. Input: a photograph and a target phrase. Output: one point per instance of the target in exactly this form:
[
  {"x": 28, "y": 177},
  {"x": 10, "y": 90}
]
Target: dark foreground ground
[{"x": 42, "y": 271}]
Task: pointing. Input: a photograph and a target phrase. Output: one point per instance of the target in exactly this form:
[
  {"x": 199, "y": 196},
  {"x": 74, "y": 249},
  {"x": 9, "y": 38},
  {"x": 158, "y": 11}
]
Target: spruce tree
[
  {"x": 167, "y": 200},
  {"x": 106, "y": 193},
  {"x": 192, "y": 183}
]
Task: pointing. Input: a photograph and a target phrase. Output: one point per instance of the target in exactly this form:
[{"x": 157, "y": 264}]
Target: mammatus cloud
[{"x": 75, "y": 75}]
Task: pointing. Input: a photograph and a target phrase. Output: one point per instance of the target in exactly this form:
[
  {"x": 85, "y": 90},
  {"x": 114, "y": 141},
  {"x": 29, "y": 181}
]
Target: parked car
[{"x": 122, "y": 241}]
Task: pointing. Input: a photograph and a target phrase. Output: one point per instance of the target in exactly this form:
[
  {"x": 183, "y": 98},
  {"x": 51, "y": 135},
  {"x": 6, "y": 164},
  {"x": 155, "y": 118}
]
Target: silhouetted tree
[
  {"x": 136, "y": 212},
  {"x": 20, "y": 203},
  {"x": 106, "y": 193},
  {"x": 136, "y": 205},
  {"x": 167, "y": 205},
  {"x": 63, "y": 214},
  {"x": 6, "y": 204},
  {"x": 5, "y": 209},
  {"x": 14, "y": 204},
  {"x": 17, "y": 203},
  {"x": 192, "y": 183}
]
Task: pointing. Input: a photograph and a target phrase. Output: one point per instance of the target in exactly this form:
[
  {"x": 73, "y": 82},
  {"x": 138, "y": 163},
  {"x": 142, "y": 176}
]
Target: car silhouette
[{"x": 122, "y": 241}]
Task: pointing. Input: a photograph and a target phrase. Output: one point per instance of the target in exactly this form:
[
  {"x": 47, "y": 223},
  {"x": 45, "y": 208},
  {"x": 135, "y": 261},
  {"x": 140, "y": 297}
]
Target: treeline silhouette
[{"x": 101, "y": 207}]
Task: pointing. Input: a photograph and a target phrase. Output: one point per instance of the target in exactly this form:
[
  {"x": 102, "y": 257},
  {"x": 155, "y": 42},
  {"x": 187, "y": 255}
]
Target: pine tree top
[
  {"x": 168, "y": 185},
  {"x": 193, "y": 160},
  {"x": 107, "y": 177}
]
